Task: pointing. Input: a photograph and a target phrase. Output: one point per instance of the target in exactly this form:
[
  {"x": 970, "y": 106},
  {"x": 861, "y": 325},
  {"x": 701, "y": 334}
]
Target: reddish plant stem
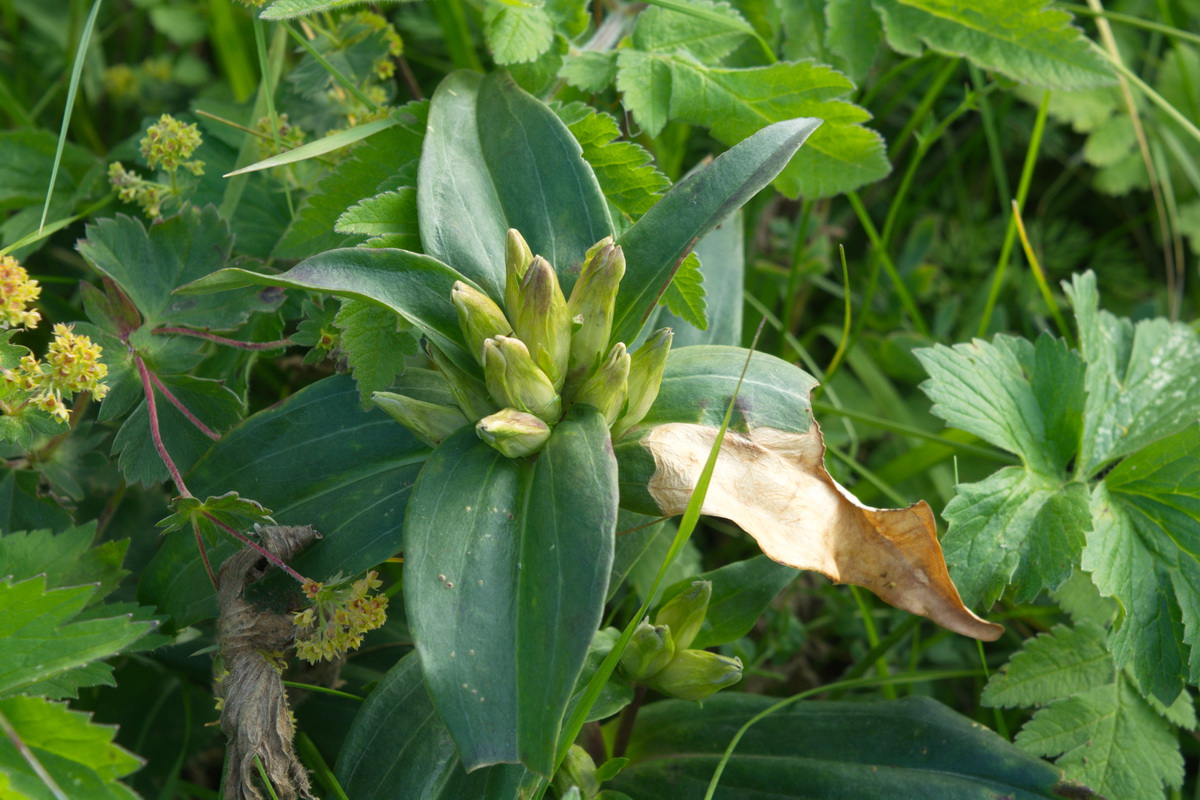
[
  {"x": 625, "y": 726},
  {"x": 204, "y": 554},
  {"x": 155, "y": 434},
  {"x": 192, "y": 418},
  {"x": 212, "y": 337},
  {"x": 262, "y": 551}
]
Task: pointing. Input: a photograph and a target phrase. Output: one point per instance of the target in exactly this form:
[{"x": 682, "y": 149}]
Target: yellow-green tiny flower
[
  {"x": 341, "y": 613},
  {"x": 169, "y": 144},
  {"x": 17, "y": 292},
  {"x": 73, "y": 364}
]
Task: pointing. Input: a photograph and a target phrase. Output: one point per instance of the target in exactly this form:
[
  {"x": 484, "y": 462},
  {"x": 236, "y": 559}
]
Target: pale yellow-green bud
[
  {"x": 430, "y": 422},
  {"x": 478, "y": 316},
  {"x": 469, "y": 392},
  {"x": 649, "y": 650},
  {"x": 517, "y": 257},
  {"x": 542, "y": 322},
  {"x": 607, "y": 389},
  {"x": 684, "y": 613},
  {"x": 514, "y": 433},
  {"x": 695, "y": 674},
  {"x": 592, "y": 300},
  {"x": 645, "y": 376},
  {"x": 516, "y": 382},
  {"x": 577, "y": 770}
]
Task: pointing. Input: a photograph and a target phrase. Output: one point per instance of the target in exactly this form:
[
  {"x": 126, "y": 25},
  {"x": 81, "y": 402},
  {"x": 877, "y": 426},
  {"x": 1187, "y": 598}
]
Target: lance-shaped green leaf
[
  {"x": 770, "y": 479},
  {"x": 316, "y": 459},
  {"x": 1021, "y": 39},
  {"x": 414, "y": 286},
  {"x": 915, "y": 747},
  {"x": 419, "y": 755},
  {"x": 496, "y": 158},
  {"x": 661, "y": 239},
  {"x": 504, "y": 593}
]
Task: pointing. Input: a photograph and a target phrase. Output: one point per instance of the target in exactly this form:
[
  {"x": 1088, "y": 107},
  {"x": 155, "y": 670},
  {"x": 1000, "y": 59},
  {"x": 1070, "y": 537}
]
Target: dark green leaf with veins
[{"x": 375, "y": 342}]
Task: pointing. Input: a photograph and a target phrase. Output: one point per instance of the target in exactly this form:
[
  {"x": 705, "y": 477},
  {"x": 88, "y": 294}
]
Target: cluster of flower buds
[
  {"x": 540, "y": 354},
  {"x": 17, "y": 291},
  {"x": 167, "y": 145},
  {"x": 341, "y": 613},
  {"x": 658, "y": 655},
  {"x": 72, "y": 365}
]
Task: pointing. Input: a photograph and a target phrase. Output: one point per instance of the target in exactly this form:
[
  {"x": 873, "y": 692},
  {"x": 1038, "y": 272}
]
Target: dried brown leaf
[{"x": 774, "y": 485}]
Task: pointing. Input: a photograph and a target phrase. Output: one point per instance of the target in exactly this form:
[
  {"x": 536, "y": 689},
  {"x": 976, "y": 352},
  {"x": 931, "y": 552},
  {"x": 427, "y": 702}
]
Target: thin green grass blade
[
  {"x": 320, "y": 770},
  {"x": 334, "y": 141},
  {"x": 57, "y": 225},
  {"x": 72, "y": 89},
  {"x": 227, "y": 45}
]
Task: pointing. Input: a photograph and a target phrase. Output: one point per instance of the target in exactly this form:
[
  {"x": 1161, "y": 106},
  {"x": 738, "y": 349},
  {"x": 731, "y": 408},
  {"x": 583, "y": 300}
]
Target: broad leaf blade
[
  {"x": 660, "y": 240},
  {"x": 507, "y": 567}
]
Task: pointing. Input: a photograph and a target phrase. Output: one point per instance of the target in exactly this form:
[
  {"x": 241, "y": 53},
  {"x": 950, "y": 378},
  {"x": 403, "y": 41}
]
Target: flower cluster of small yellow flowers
[
  {"x": 17, "y": 291},
  {"x": 132, "y": 188},
  {"x": 72, "y": 365},
  {"x": 169, "y": 144},
  {"x": 290, "y": 137},
  {"x": 341, "y": 613},
  {"x": 384, "y": 67}
]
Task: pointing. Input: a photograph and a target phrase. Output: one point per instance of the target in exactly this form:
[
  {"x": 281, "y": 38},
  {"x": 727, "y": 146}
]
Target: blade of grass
[
  {"x": 320, "y": 770},
  {"x": 268, "y": 80},
  {"x": 453, "y": 21},
  {"x": 990, "y": 134},
  {"x": 228, "y": 43},
  {"x": 881, "y": 667},
  {"x": 262, "y": 773},
  {"x": 232, "y": 196},
  {"x": 1136, "y": 22},
  {"x": 1039, "y": 276},
  {"x": 334, "y": 141},
  {"x": 687, "y": 524},
  {"x": 72, "y": 89},
  {"x": 309, "y": 687},
  {"x": 57, "y": 225},
  {"x": 1010, "y": 235},
  {"x": 905, "y": 296},
  {"x": 832, "y": 369},
  {"x": 902, "y": 678},
  {"x": 922, "y": 110},
  {"x": 917, "y": 433}
]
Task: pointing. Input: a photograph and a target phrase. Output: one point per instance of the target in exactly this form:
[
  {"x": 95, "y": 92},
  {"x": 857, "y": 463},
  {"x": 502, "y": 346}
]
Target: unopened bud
[
  {"x": 593, "y": 298},
  {"x": 478, "y": 316},
  {"x": 577, "y": 770},
  {"x": 649, "y": 650},
  {"x": 541, "y": 320},
  {"x": 645, "y": 376},
  {"x": 684, "y": 613},
  {"x": 429, "y": 421},
  {"x": 514, "y": 433},
  {"x": 516, "y": 382},
  {"x": 469, "y": 392},
  {"x": 517, "y": 257},
  {"x": 695, "y": 674},
  {"x": 606, "y": 390}
]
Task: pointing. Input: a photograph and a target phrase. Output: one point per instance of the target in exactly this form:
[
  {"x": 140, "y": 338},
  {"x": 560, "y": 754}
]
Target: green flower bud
[
  {"x": 514, "y": 433},
  {"x": 607, "y": 389},
  {"x": 478, "y": 316},
  {"x": 593, "y": 298},
  {"x": 469, "y": 392},
  {"x": 695, "y": 674},
  {"x": 649, "y": 650},
  {"x": 430, "y": 422},
  {"x": 645, "y": 376},
  {"x": 517, "y": 257},
  {"x": 684, "y": 613},
  {"x": 579, "y": 770},
  {"x": 516, "y": 382},
  {"x": 542, "y": 322}
]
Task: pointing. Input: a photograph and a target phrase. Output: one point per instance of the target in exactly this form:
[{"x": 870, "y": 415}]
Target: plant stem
[
  {"x": 192, "y": 418},
  {"x": 625, "y": 727},
  {"x": 253, "y": 545},
  {"x": 155, "y": 434},
  {"x": 204, "y": 554},
  {"x": 212, "y": 337}
]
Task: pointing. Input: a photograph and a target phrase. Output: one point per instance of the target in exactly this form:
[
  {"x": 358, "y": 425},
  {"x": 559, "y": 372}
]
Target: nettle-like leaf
[
  {"x": 1092, "y": 717},
  {"x": 1023, "y": 526},
  {"x": 65, "y": 559},
  {"x": 389, "y": 218},
  {"x": 149, "y": 264},
  {"x": 237, "y": 512},
  {"x": 685, "y": 296},
  {"x": 853, "y": 36},
  {"x": 1022, "y": 39},
  {"x": 375, "y": 342},
  {"x": 517, "y": 32},
  {"x": 289, "y": 9},
  {"x": 770, "y": 479},
  {"x": 73, "y": 751}
]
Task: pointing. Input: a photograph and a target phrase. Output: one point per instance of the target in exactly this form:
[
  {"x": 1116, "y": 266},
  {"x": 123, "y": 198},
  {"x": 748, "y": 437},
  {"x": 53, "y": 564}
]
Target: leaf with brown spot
[{"x": 770, "y": 479}]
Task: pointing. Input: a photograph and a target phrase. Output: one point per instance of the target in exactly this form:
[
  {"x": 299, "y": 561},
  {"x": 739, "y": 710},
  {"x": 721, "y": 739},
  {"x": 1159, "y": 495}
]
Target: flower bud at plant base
[
  {"x": 607, "y": 389},
  {"x": 514, "y": 433},
  {"x": 579, "y": 770},
  {"x": 430, "y": 422},
  {"x": 695, "y": 674},
  {"x": 469, "y": 392},
  {"x": 541, "y": 320},
  {"x": 593, "y": 298},
  {"x": 517, "y": 257},
  {"x": 516, "y": 382},
  {"x": 478, "y": 316},
  {"x": 649, "y": 650},
  {"x": 684, "y": 613},
  {"x": 645, "y": 376}
]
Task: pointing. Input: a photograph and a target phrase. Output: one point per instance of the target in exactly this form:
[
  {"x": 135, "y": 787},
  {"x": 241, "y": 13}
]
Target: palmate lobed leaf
[
  {"x": 770, "y": 479},
  {"x": 375, "y": 342}
]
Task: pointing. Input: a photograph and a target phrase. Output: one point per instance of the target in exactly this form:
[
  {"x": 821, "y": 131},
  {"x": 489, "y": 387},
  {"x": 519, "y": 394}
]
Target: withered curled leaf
[
  {"x": 255, "y": 714},
  {"x": 774, "y": 485}
]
